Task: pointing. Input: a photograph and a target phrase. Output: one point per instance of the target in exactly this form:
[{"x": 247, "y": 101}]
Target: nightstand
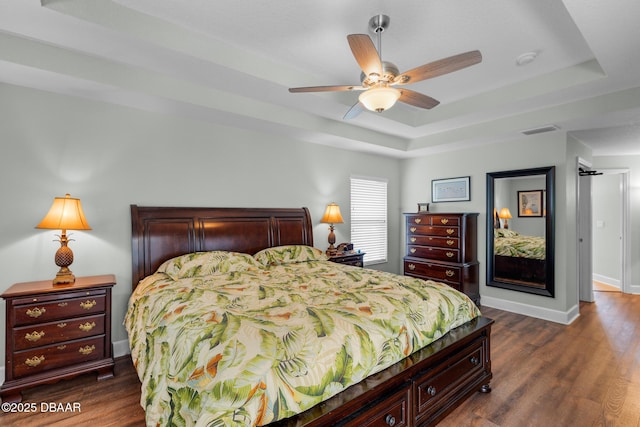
[
  {"x": 56, "y": 332},
  {"x": 349, "y": 258}
]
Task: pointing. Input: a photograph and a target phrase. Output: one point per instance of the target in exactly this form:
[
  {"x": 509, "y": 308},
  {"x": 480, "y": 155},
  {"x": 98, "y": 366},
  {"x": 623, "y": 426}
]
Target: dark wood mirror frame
[{"x": 548, "y": 287}]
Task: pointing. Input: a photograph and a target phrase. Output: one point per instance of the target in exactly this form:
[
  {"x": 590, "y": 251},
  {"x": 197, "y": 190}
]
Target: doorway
[{"x": 614, "y": 222}]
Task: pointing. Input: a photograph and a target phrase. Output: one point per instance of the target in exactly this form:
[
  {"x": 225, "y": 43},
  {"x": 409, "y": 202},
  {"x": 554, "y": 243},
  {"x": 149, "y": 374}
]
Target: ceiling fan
[{"x": 379, "y": 78}]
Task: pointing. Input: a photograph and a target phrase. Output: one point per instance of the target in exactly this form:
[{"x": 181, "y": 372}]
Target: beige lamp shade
[
  {"x": 332, "y": 215},
  {"x": 505, "y": 213},
  {"x": 65, "y": 214}
]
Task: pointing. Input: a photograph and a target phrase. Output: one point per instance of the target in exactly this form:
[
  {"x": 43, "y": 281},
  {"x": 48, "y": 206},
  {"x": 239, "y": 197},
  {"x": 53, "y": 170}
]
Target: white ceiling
[{"x": 231, "y": 62}]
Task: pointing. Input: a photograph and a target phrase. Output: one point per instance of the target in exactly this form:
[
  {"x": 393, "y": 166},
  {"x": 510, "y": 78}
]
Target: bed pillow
[
  {"x": 503, "y": 232},
  {"x": 289, "y": 254},
  {"x": 204, "y": 263}
]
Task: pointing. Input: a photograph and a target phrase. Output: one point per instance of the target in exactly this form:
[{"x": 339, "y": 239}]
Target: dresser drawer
[
  {"x": 57, "y": 355},
  {"x": 433, "y": 230},
  {"x": 54, "y": 332},
  {"x": 392, "y": 411},
  {"x": 451, "y": 220},
  {"x": 434, "y": 253},
  {"x": 40, "y": 310},
  {"x": 433, "y": 388},
  {"x": 442, "y": 242},
  {"x": 441, "y": 273}
]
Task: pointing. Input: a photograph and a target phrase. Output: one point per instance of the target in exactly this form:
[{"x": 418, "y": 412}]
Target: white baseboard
[
  {"x": 563, "y": 317},
  {"x": 120, "y": 348},
  {"x": 607, "y": 280}
]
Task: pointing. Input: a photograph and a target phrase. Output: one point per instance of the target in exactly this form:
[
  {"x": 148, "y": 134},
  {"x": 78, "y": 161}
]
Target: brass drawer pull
[
  {"x": 412, "y": 250},
  {"x": 450, "y": 242},
  {"x": 61, "y": 325},
  {"x": 34, "y": 336},
  {"x": 449, "y": 273},
  {"x": 61, "y": 347},
  {"x": 418, "y": 220},
  {"x": 411, "y": 267},
  {"x": 413, "y": 229},
  {"x": 450, "y": 231},
  {"x": 62, "y": 304},
  {"x": 450, "y": 254},
  {"x": 87, "y": 349},
  {"x": 444, "y": 220},
  {"x": 88, "y": 304},
  {"x": 36, "y": 312},
  {"x": 34, "y": 361},
  {"x": 87, "y": 326},
  {"x": 413, "y": 240}
]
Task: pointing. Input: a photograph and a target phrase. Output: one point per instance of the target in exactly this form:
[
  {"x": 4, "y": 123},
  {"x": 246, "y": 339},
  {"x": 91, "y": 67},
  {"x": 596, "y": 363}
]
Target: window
[{"x": 369, "y": 218}]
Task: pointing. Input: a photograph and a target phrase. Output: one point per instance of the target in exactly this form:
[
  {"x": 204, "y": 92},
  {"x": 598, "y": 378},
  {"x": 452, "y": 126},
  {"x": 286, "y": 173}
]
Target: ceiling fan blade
[
  {"x": 417, "y": 99},
  {"x": 440, "y": 67},
  {"x": 324, "y": 88},
  {"x": 354, "y": 111},
  {"x": 365, "y": 53}
]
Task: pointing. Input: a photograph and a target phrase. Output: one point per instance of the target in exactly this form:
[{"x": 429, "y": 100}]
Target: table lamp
[
  {"x": 505, "y": 214},
  {"x": 65, "y": 214},
  {"x": 332, "y": 216}
]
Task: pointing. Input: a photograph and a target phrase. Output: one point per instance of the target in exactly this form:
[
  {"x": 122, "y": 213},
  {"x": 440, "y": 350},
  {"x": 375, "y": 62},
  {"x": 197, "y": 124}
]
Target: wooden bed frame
[{"x": 419, "y": 390}]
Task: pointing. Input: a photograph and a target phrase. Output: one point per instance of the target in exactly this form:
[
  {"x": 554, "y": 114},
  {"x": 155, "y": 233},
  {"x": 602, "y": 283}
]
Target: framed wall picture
[
  {"x": 530, "y": 203},
  {"x": 423, "y": 207},
  {"x": 450, "y": 190}
]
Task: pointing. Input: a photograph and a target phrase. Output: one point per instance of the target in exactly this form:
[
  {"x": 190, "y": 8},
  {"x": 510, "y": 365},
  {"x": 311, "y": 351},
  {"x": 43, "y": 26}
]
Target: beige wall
[{"x": 111, "y": 157}]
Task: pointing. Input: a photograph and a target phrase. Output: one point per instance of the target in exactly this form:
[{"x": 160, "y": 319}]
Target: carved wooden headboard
[{"x": 161, "y": 233}]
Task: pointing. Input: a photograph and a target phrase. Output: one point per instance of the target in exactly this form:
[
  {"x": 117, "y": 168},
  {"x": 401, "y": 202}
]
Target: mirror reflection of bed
[{"x": 519, "y": 232}]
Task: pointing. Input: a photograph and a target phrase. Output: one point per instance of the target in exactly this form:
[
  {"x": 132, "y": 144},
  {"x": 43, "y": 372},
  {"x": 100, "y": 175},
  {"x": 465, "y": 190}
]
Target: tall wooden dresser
[{"x": 443, "y": 247}]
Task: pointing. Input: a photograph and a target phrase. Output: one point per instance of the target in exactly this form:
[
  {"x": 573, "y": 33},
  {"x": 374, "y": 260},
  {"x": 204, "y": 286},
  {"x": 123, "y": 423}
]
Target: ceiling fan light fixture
[{"x": 379, "y": 98}]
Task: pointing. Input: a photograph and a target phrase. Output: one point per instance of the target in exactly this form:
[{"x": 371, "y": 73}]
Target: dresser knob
[
  {"x": 413, "y": 229},
  {"x": 36, "y": 312},
  {"x": 444, "y": 220},
  {"x": 431, "y": 390},
  {"x": 413, "y": 240},
  {"x": 412, "y": 250},
  {"x": 34, "y": 361},
  {"x": 411, "y": 267},
  {"x": 390, "y": 420},
  {"x": 449, "y": 273},
  {"x": 62, "y": 304},
  {"x": 34, "y": 336},
  {"x": 450, "y": 231},
  {"x": 88, "y": 304},
  {"x": 87, "y": 326},
  {"x": 418, "y": 220},
  {"x": 61, "y": 325},
  {"x": 450, "y": 242},
  {"x": 450, "y": 254},
  {"x": 474, "y": 361},
  {"x": 87, "y": 349}
]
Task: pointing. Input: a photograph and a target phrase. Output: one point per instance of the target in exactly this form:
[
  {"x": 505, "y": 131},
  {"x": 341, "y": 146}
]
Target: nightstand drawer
[
  {"x": 57, "y": 308},
  {"x": 57, "y": 355},
  {"x": 54, "y": 332}
]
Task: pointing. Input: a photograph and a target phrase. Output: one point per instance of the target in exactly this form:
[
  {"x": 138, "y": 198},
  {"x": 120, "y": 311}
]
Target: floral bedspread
[
  {"x": 224, "y": 340},
  {"x": 511, "y": 243}
]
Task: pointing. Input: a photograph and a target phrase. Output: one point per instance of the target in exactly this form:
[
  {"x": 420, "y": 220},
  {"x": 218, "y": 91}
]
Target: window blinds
[{"x": 369, "y": 218}]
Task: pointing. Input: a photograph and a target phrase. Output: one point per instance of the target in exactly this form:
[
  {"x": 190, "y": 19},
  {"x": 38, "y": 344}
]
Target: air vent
[{"x": 542, "y": 129}]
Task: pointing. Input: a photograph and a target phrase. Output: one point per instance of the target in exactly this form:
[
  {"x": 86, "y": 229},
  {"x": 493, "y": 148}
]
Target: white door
[{"x": 585, "y": 268}]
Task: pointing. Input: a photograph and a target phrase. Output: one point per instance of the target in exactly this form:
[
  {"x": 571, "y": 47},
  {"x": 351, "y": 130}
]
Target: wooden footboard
[{"x": 417, "y": 391}]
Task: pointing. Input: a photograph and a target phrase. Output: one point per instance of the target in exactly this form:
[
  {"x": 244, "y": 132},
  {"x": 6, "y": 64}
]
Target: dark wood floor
[{"x": 545, "y": 374}]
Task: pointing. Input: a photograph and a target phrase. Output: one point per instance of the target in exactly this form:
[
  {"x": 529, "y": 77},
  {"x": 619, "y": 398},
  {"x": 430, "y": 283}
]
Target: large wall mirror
[{"x": 520, "y": 230}]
